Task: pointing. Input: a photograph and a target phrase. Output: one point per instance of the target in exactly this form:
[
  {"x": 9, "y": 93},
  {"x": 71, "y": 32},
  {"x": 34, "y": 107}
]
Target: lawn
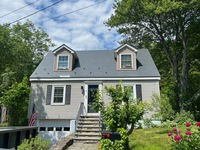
[{"x": 150, "y": 139}]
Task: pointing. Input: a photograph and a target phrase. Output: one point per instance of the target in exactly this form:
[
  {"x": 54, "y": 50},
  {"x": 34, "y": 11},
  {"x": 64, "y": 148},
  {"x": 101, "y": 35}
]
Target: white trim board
[{"x": 93, "y": 79}]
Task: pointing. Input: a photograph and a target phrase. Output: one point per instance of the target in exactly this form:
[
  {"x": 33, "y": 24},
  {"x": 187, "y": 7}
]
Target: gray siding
[
  {"x": 38, "y": 94},
  {"x": 39, "y": 89}
]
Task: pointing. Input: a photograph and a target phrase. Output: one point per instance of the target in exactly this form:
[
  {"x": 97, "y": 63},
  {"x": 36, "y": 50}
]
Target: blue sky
[{"x": 81, "y": 30}]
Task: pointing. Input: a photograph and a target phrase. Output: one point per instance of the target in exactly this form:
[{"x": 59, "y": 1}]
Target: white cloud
[{"x": 81, "y": 30}]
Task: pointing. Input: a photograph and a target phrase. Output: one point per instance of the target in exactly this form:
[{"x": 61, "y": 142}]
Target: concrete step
[
  {"x": 90, "y": 119},
  {"x": 88, "y": 134},
  {"x": 89, "y": 116},
  {"x": 89, "y": 130},
  {"x": 86, "y": 139},
  {"x": 88, "y": 123},
  {"x": 89, "y": 126}
]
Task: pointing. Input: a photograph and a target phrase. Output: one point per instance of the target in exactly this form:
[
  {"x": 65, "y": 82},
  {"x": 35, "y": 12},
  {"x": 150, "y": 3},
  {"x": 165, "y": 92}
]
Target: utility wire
[
  {"x": 36, "y": 12},
  {"x": 74, "y": 11},
  {"x": 18, "y": 9}
]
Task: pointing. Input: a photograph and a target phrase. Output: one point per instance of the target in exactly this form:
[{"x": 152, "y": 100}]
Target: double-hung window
[
  {"x": 63, "y": 62},
  {"x": 126, "y": 61},
  {"x": 58, "y": 95},
  {"x": 131, "y": 90},
  {"x": 135, "y": 91}
]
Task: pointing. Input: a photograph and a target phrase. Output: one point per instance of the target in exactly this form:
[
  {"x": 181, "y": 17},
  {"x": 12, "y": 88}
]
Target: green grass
[{"x": 150, "y": 139}]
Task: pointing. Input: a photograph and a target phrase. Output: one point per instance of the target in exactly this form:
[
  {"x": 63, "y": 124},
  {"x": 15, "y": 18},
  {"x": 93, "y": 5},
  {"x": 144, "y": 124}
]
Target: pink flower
[
  {"x": 179, "y": 131},
  {"x": 169, "y": 134},
  {"x": 188, "y": 133},
  {"x": 177, "y": 138},
  {"x": 198, "y": 124},
  {"x": 174, "y": 129},
  {"x": 188, "y": 124}
]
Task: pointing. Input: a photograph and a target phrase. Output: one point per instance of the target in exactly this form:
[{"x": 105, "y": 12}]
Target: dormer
[
  {"x": 64, "y": 58},
  {"x": 126, "y": 57}
]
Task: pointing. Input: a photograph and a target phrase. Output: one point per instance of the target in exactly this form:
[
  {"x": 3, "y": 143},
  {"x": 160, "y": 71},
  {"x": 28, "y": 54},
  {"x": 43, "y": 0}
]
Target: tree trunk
[
  {"x": 176, "y": 84},
  {"x": 3, "y": 114},
  {"x": 131, "y": 129}
]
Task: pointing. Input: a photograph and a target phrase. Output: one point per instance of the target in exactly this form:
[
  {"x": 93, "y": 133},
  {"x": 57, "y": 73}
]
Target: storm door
[{"x": 92, "y": 90}]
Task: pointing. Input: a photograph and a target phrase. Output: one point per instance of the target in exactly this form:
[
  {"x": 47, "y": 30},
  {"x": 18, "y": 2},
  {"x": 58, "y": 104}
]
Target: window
[
  {"x": 63, "y": 62},
  {"x": 58, "y": 95},
  {"x": 50, "y": 128},
  {"x": 131, "y": 91},
  {"x": 135, "y": 90},
  {"x": 42, "y": 129},
  {"x": 66, "y": 129},
  {"x": 126, "y": 61},
  {"x": 58, "y": 128}
]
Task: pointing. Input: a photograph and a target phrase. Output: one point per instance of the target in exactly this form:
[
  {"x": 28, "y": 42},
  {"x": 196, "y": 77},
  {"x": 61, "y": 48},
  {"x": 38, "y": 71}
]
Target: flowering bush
[{"x": 187, "y": 140}]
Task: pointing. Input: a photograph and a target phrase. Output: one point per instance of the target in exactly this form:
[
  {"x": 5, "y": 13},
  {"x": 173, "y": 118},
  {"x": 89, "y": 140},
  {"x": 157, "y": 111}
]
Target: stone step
[
  {"x": 88, "y": 122},
  {"x": 90, "y": 119},
  {"x": 89, "y": 116},
  {"x": 88, "y": 134},
  {"x": 89, "y": 126},
  {"x": 89, "y": 130},
  {"x": 86, "y": 139}
]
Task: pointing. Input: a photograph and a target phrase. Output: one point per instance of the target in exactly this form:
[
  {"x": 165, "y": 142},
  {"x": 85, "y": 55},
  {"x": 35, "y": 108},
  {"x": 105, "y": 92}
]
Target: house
[{"x": 62, "y": 84}]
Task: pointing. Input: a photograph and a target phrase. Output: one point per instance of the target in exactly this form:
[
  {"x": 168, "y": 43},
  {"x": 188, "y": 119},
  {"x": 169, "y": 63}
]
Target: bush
[
  {"x": 162, "y": 107},
  {"x": 166, "y": 124},
  {"x": 185, "y": 141},
  {"x": 34, "y": 144},
  {"x": 122, "y": 144},
  {"x": 183, "y": 117}
]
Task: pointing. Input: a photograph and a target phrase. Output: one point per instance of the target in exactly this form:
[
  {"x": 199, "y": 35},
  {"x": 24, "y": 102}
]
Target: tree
[
  {"x": 167, "y": 27},
  {"x": 22, "y": 47},
  {"x": 122, "y": 111},
  {"x": 16, "y": 100}
]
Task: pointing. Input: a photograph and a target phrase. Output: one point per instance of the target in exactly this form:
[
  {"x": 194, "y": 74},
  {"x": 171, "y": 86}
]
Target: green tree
[
  {"x": 122, "y": 111},
  {"x": 22, "y": 47},
  {"x": 170, "y": 29},
  {"x": 16, "y": 100}
]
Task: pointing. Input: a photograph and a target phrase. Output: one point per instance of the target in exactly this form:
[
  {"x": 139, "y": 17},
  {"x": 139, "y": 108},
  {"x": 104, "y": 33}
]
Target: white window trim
[
  {"x": 58, "y": 62},
  {"x": 52, "y": 94},
  {"x": 121, "y": 60}
]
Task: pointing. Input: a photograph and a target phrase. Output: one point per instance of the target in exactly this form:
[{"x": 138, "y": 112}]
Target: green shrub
[
  {"x": 148, "y": 123},
  {"x": 166, "y": 124},
  {"x": 162, "y": 107},
  {"x": 34, "y": 144},
  {"x": 122, "y": 144},
  {"x": 188, "y": 140},
  {"x": 183, "y": 117},
  {"x": 4, "y": 124}
]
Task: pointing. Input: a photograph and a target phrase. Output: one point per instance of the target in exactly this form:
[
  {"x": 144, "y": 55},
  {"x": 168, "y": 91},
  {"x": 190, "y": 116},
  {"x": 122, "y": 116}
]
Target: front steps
[{"x": 88, "y": 129}]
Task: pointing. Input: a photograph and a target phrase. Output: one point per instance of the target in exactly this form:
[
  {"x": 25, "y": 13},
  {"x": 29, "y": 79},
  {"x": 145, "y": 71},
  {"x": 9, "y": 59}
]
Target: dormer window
[
  {"x": 126, "y": 61},
  {"x": 63, "y": 62}
]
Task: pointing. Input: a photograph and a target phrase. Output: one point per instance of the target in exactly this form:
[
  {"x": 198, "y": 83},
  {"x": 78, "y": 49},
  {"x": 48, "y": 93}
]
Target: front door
[{"x": 92, "y": 90}]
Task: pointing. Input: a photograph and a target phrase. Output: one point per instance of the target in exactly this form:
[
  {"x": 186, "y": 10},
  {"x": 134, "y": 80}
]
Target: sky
[{"x": 80, "y": 25}]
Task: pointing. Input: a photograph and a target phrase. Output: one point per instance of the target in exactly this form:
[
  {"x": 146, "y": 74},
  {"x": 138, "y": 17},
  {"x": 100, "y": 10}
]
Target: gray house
[{"x": 62, "y": 84}]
